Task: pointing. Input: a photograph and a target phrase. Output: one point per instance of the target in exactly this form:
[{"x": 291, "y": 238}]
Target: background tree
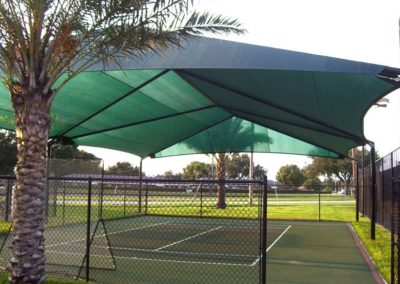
[
  {"x": 219, "y": 137},
  {"x": 329, "y": 184},
  {"x": 124, "y": 169},
  {"x": 70, "y": 152},
  {"x": 8, "y": 151},
  {"x": 313, "y": 184},
  {"x": 196, "y": 170},
  {"x": 237, "y": 166},
  {"x": 170, "y": 175},
  {"x": 290, "y": 175},
  {"x": 42, "y": 40},
  {"x": 259, "y": 172},
  {"x": 67, "y": 160},
  {"x": 340, "y": 168}
]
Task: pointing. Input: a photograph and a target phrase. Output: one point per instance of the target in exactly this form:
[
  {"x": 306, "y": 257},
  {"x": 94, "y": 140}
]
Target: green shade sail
[{"x": 218, "y": 96}]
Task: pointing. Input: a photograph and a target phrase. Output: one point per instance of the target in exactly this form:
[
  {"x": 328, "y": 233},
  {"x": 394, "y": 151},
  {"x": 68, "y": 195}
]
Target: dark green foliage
[
  {"x": 237, "y": 166},
  {"x": 313, "y": 183},
  {"x": 8, "y": 152},
  {"x": 70, "y": 152},
  {"x": 171, "y": 175},
  {"x": 123, "y": 169},
  {"x": 290, "y": 175},
  {"x": 196, "y": 170}
]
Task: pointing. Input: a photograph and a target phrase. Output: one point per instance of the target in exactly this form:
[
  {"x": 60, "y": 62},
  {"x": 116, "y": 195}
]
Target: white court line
[
  {"x": 278, "y": 238},
  {"x": 271, "y": 245},
  {"x": 192, "y": 237},
  {"x": 112, "y": 233},
  {"x": 158, "y": 260}
]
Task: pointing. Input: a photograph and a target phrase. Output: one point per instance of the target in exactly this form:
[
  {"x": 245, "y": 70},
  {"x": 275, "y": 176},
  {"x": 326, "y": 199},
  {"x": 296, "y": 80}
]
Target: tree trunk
[
  {"x": 27, "y": 263},
  {"x": 347, "y": 187},
  {"x": 220, "y": 169}
]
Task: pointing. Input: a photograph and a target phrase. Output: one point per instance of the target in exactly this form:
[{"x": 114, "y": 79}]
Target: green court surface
[{"x": 153, "y": 249}]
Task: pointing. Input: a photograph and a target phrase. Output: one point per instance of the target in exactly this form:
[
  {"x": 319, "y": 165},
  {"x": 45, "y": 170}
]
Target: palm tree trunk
[
  {"x": 220, "y": 169},
  {"x": 27, "y": 263}
]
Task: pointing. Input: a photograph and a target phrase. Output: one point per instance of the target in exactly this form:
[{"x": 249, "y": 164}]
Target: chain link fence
[
  {"x": 153, "y": 231},
  {"x": 387, "y": 201}
]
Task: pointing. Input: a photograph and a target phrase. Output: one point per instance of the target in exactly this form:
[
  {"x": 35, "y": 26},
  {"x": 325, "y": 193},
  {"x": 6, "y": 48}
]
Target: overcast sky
[{"x": 361, "y": 30}]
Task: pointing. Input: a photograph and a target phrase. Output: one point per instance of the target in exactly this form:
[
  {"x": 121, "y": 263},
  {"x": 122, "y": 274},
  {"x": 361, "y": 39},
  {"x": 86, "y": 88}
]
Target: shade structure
[{"x": 294, "y": 102}]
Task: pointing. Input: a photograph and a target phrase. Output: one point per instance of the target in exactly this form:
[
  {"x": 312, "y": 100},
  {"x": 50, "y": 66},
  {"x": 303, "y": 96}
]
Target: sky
[{"x": 360, "y": 30}]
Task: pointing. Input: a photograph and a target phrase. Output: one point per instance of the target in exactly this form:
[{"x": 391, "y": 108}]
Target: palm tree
[
  {"x": 228, "y": 136},
  {"x": 49, "y": 41}
]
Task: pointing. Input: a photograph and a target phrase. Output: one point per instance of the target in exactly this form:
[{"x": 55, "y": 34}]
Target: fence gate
[{"x": 395, "y": 232}]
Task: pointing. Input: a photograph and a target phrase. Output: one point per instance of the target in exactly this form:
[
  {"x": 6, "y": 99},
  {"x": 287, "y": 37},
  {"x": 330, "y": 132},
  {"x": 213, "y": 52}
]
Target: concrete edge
[{"x": 368, "y": 259}]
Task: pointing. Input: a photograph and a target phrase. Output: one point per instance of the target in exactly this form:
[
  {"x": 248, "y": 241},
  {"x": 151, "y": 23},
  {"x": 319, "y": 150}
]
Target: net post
[
  {"x": 264, "y": 233},
  {"x": 89, "y": 201},
  {"x": 373, "y": 187}
]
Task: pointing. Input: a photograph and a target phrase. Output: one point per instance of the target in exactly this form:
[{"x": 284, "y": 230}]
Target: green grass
[
  {"x": 328, "y": 212},
  {"x": 277, "y": 209},
  {"x": 4, "y": 280},
  {"x": 379, "y": 249}
]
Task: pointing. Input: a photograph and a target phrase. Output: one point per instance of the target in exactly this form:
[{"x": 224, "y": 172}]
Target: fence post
[
  {"x": 124, "y": 199},
  {"x": 89, "y": 207},
  {"x": 373, "y": 187},
  {"x": 319, "y": 204},
  {"x": 201, "y": 199},
  {"x": 8, "y": 200},
  {"x": 146, "y": 198},
  {"x": 63, "y": 204},
  {"x": 363, "y": 180},
  {"x": 140, "y": 186},
  {"x": 264, "y": 233},
  {"x": 357, "y": 194}
]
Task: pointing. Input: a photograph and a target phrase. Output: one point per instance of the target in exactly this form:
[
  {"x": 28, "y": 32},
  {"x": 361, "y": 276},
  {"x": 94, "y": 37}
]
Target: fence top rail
[{"x": 149, "y": 180}]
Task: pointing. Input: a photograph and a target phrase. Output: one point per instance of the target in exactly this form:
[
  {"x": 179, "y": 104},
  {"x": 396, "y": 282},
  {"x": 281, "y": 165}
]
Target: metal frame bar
[
  {"x": 356, "y": 139},
  {"x": 142, "y": 122},
  {"x": 373, "y": 188},
  {"x": 134, "y": 90},
  {"x": 263, "y": 246}
]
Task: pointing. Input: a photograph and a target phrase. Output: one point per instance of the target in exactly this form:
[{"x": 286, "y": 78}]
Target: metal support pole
[
  {"x": 392, "y": 224},
  {"x": 140, "y": 186},
  {"x": 319, "y": 203},
  {"x": 373, "y": 187},
  {"x": 363, "y": 180},
  {"x": 201, "y": 200},
  {"x": 382, "y": 175},
  {"x": 124, "y": 198},
  {"x": 89, "y": 202},
  {"x": 146, "y": 198},
  {"x": 63, "y": 204},
  {"x": 264, "y": 234},
  {"x": 357, "y": 195},
  {"x": 100, "y": 213}
]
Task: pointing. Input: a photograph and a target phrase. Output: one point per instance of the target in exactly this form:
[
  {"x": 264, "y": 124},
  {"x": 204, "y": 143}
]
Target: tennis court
[{"x": 156, "y": 249}]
